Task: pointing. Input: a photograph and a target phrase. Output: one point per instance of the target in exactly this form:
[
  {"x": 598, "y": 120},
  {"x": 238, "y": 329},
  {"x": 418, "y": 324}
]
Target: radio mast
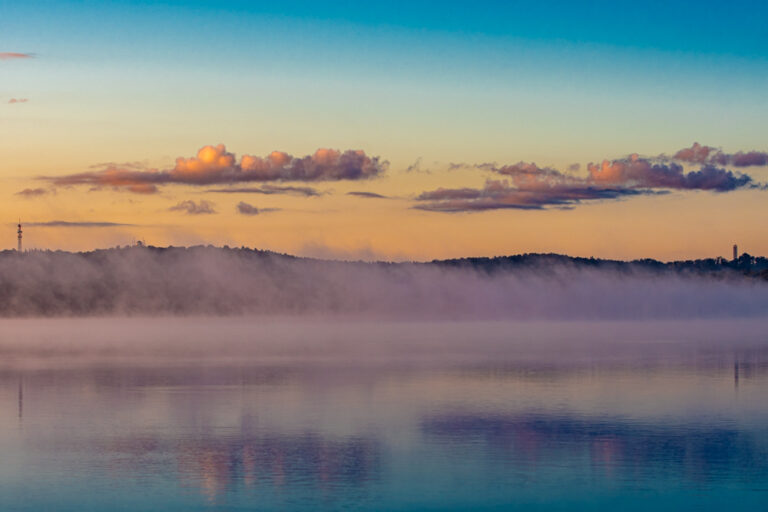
[{"x": 19, "y": 236}]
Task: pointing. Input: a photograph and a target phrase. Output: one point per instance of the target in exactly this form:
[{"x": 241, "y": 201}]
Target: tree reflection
[{"x": 611, "y": 446}]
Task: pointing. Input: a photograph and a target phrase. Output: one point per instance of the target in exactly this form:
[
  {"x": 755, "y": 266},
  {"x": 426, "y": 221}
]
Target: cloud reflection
[{"x": 613, "y": 445}]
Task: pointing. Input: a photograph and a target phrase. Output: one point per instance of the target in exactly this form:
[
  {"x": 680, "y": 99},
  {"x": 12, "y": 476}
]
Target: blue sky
[
  {"x": 735, "y": 28},
  {"x": 516, "y": 71},
  {"x": 554, "y": 83}
]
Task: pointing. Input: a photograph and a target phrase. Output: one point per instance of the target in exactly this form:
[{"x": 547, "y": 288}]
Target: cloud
[
  {"x": 32, "y": 192},
  {"x": 696, "y": 153},
  {"x": 15, "y": 55},
  {"x": 17, "y": 100},
  {"x": 756, "y": 158},
  {"x": 529, "y": 175},
  {"x": 417, "y": 168},
  {"x": 270, "y": 190},
  {"x": 369, "y": 195},
  {"x": 500, "y": 194},
  {"x": 192, "y": 208},
  {"x": 67, "y": 224},
  {"x": 215, "y": 165},
  {"x": 700, "y": 154},
  {"x": 248, "y": 209},
  {"x": 640, "y": 172},
  {"x": 136, "y": 166},
  {"x": 122, "y": 177},
  {"x": 529, "y": 186}
]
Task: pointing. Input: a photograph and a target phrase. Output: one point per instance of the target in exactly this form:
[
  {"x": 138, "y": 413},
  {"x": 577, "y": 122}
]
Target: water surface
[{"x": 254, "y": 414}]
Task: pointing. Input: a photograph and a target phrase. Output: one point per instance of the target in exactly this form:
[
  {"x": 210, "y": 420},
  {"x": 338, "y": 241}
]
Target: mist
[{"x": 211, "y": 281}]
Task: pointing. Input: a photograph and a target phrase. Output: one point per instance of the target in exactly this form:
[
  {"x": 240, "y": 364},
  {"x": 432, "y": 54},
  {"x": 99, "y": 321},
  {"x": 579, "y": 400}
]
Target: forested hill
[
  {"x": 746, "y": 264},
  {"x": 225, "y": 281}
]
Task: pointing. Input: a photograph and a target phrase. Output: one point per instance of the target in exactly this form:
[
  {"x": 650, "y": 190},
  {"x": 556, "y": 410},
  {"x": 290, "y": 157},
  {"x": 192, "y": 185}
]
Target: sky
[{"x": 392, "y": 130}]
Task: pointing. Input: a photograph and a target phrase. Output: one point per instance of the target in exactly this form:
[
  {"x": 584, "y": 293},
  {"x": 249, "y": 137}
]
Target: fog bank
[{"x": 210, "y": 281}]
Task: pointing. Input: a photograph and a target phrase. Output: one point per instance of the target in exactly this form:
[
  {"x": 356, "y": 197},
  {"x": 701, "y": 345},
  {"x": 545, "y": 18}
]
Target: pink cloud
[
  {"x": 15, "y": 55},
  {"x": 709, "y": 155}
]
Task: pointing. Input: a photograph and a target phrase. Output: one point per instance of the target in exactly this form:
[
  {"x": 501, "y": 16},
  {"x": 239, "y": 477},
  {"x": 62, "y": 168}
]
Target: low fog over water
[
  {"x": 352, "y": 342},
  {"x": 213, "y": 281}
]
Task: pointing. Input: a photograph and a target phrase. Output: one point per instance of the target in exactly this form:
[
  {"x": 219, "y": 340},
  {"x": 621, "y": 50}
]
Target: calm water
[{"x": 185, "y": 415}]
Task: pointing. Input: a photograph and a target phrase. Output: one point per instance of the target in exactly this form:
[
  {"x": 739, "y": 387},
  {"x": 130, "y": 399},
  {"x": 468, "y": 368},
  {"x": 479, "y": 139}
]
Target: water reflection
[
  {"x": 639, "y": 450},
  {"x": 307, "y": 461},
  {"x": 597, "y": 428},
  {"x": 21, "y": 398}
]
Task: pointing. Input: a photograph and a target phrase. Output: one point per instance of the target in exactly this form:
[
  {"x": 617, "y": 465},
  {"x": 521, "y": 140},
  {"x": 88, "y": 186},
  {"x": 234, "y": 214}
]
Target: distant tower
[
  {"x": 735, "y": 251},
  {"x": 19, "y": 236}
]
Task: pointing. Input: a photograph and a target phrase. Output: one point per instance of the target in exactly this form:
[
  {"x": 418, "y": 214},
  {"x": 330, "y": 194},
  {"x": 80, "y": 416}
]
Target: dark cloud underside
[{"x": 369, "y": 195}]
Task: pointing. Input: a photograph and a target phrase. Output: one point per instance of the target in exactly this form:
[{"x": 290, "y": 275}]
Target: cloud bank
[
  {"x": 215, "y": 165},
  {"x": 528, "y": 186},
  {"x": 499, "y": 194}
]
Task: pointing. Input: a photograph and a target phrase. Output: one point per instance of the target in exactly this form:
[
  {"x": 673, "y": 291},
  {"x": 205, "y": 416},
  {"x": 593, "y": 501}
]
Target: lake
[{"x": 232, "y": 414}]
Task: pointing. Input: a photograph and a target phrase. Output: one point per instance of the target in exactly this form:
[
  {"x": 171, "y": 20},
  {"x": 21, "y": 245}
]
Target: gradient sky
[{"x": 89, "y": 86}]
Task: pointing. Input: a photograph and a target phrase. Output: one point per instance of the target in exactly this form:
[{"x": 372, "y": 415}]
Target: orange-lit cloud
[
  {"x": 215, "y": 165},
  {"x": 17, "y": 100},
  {"x": 639, "y": 172}
]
